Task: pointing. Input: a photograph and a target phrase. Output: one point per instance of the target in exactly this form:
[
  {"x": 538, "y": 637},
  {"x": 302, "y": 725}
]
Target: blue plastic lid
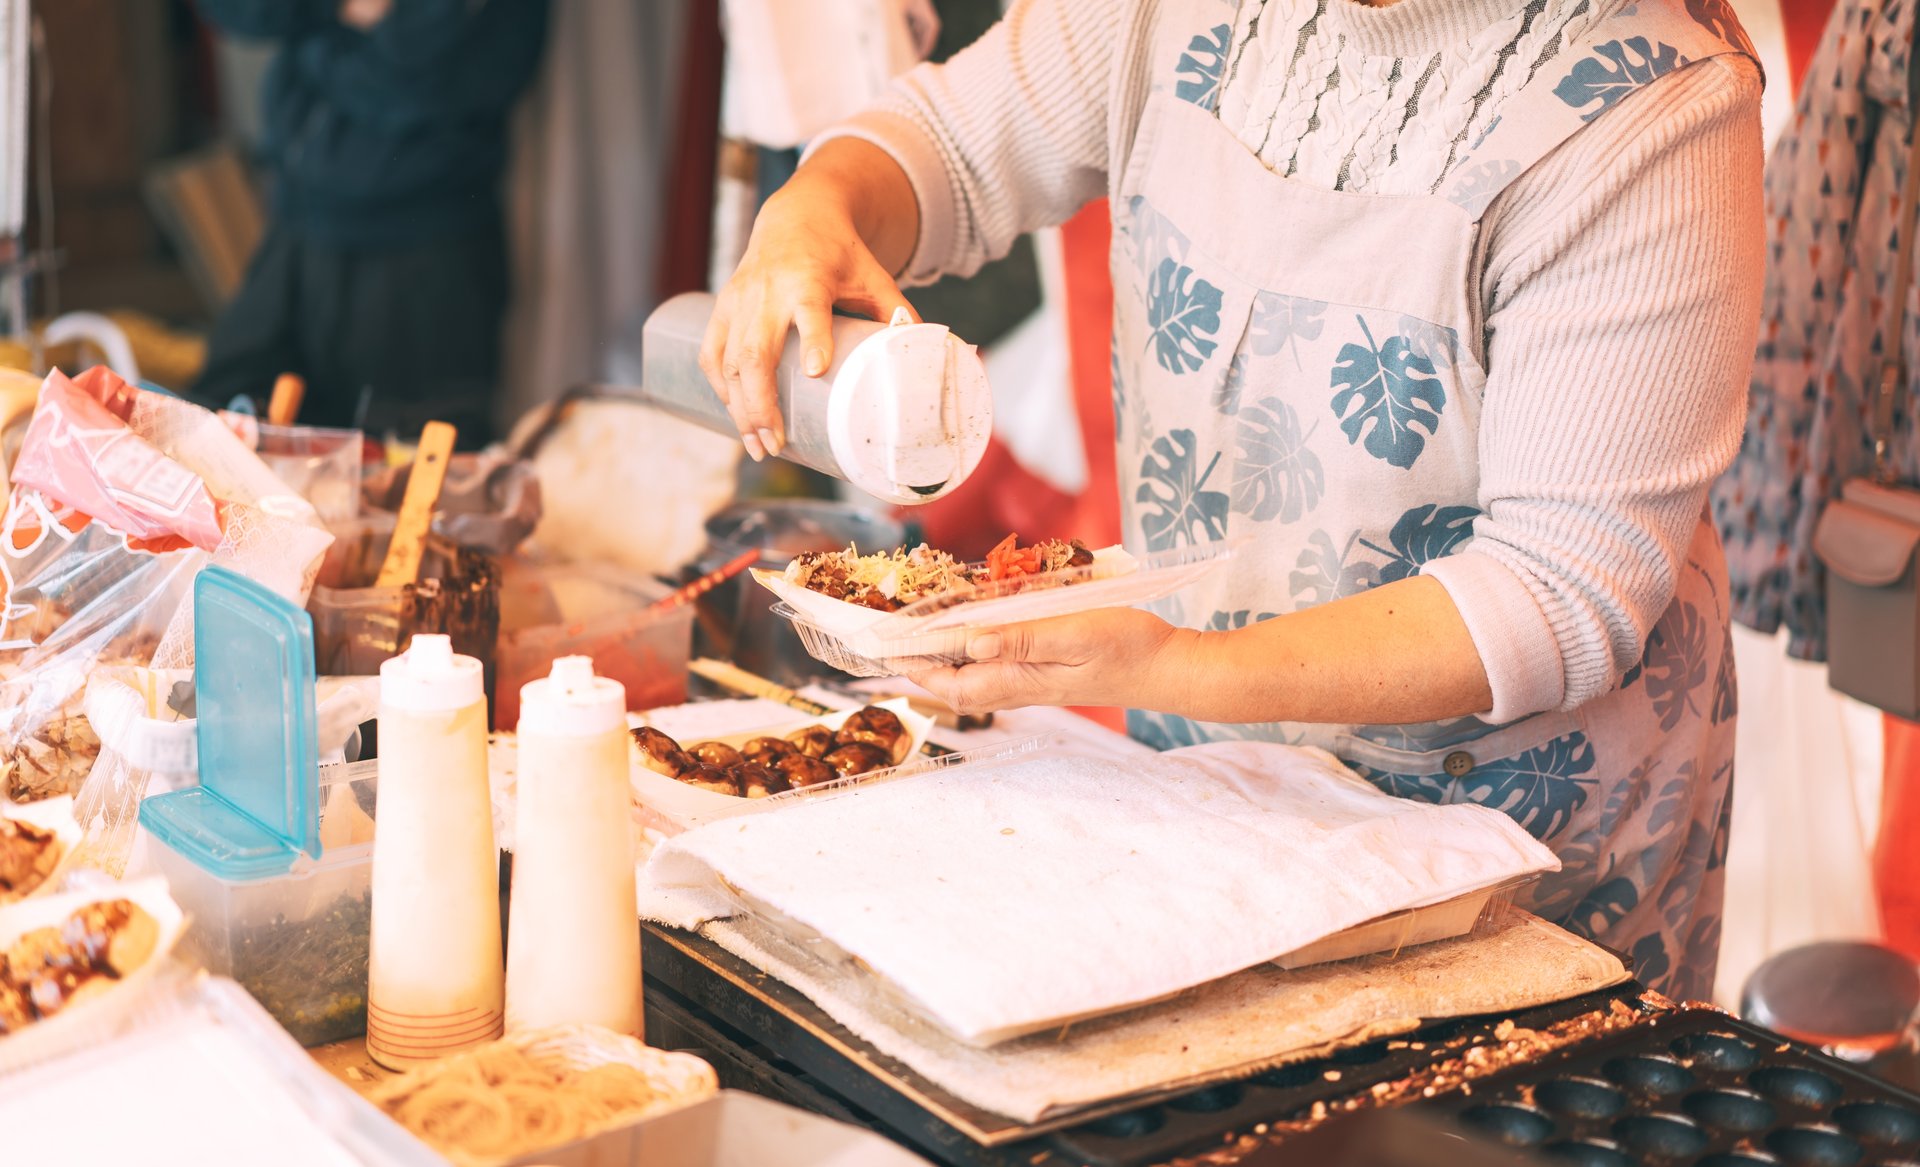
[{"x": 257, "y": 807}]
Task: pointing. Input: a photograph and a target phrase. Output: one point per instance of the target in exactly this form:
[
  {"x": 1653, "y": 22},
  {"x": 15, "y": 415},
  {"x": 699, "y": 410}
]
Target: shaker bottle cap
[
  {"x": 572, "y": 702},
  {"x": 430, "y": 677}
]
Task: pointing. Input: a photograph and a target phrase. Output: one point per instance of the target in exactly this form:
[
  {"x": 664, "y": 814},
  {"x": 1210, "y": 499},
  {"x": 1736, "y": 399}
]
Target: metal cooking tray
[
  {"x": 1695, "y": 1088},
  {"x": 766, "y": 1036}
]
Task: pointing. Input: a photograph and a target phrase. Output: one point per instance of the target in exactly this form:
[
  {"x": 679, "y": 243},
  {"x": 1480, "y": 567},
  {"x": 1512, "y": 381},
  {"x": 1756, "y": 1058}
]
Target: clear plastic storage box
[
  {"x": 272, "y": 864},
  {"x": 297, "y": 941}
]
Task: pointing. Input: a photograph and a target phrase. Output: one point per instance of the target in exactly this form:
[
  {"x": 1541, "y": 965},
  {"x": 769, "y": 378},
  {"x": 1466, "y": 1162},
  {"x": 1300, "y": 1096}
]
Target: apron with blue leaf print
[{"x": 1301, "y": 366}]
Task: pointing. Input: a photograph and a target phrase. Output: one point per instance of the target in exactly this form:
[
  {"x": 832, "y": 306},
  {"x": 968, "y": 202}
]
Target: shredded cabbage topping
[{"x": 891, "y": 580}]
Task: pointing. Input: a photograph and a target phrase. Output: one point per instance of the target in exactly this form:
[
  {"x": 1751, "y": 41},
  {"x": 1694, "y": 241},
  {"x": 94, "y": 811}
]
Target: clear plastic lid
[{"x": 258, "y": 803}]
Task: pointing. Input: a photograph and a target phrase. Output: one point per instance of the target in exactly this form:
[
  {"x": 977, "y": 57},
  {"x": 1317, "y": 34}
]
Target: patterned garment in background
[
  {"x": 1832, "y": 184},
  {"x": 1269, "y": 383}
]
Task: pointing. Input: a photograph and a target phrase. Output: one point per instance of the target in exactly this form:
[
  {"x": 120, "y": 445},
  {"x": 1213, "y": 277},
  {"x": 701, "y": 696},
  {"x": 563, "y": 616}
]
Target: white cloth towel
[{"x": 1003, "y": 899}]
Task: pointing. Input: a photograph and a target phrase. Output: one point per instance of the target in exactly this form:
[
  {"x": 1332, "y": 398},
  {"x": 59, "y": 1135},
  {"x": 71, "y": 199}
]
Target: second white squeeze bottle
[
  {"x": 573, "y": 947},
  {"x": 436, "y": 981}
]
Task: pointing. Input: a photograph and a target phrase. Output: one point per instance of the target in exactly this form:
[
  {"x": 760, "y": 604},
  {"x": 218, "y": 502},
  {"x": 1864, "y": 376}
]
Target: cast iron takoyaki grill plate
[{"x": 1695, "y": 1088}]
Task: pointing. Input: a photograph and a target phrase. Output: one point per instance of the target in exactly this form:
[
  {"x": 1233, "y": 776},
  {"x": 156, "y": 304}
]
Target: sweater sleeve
[
  {"x": 1622, "y": 291},
  {"x": 1008, "y": 136}
]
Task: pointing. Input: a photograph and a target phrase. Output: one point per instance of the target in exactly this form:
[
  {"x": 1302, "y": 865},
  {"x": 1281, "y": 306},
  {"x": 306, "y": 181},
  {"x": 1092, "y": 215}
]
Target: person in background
[{"x": 383, "y": 277}]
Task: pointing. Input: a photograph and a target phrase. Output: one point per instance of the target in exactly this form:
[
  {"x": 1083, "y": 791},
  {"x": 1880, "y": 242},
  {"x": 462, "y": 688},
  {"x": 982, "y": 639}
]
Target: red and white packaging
[{"x": 120, "y": 496}]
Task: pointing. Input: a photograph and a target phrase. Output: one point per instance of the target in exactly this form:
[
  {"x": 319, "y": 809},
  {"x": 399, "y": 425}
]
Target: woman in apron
[{"x": 1442, "y": 310}]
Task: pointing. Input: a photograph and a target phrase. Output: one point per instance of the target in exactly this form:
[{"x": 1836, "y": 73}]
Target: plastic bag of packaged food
[{"x": 119, "y": 497}]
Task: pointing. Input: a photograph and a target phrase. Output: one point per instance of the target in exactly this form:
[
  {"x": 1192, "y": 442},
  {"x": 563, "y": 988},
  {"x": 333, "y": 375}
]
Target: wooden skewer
[
  {"x": 288, "y": 392},
  {"x": 688, "y": 593},
  {"x": 409, "y": 546}
]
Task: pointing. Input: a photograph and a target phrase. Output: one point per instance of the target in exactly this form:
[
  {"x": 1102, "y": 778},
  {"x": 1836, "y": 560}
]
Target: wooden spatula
[
  {"x": 288, "y": 391},
  {"x": 409, "y": 546}
]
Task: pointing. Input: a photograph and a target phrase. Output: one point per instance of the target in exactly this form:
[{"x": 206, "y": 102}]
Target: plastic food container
[
  {"x": 296, "y": 941},
  {"x": 357, "y": 626},
  {"x": 548, "y": 611},
  {"x": 671, "y": 806},
  {"x": 272, "y": 862},
  {"x": 934, "y": 632},
  {"x": 86, "y": 1023}
]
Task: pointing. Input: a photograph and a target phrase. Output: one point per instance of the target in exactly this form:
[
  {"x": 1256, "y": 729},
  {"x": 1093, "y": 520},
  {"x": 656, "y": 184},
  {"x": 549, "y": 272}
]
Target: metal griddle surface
[{"x": 778, "y": 1041}]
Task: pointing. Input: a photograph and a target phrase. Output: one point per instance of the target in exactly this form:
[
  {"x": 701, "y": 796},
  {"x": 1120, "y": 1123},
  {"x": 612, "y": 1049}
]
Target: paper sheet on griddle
[
  {"x": 1220, "y": 1031},
  {"x": 1005, "y": 899}
]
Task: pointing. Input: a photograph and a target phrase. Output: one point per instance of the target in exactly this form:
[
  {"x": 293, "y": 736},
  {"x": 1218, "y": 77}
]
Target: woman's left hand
[{"x": 1112, "y": 656}]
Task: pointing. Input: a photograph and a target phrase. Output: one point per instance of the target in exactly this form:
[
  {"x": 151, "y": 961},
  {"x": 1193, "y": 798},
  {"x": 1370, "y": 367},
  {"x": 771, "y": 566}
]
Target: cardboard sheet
[{"x": 1232, "y": 1028}]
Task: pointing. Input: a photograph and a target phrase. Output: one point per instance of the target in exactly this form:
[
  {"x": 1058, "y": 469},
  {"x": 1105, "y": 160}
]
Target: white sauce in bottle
[
  {"x": 573, "y": 947},
  {"x": 436, "y": 982}
]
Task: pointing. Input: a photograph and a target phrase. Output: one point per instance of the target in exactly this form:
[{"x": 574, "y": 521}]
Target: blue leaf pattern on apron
[
  {"x": 1276, "y": 475},
  {"x": 1603, "y": 907},
  {"x": 1324, "y": 572},
  {"x": 1181, "y": 509},
  {"x": 1200, "y": 68},
  {"x": 1434, "y": 343},
  {"x": 1236, "y": 335},
  {"x": 1422, "y": 535},
  {"x": 1717, "y": 17},
  {"x": 1476, "y": 187},
  {"x": 1616, "y": 69},
  {"x": 1280, "y": 323},
  {"x": 1385, "y": 391},
  {"x": 1227, "y": 397},
  {"x": 1677, "y": 664},
  {"x": 1649, "y": 955},
  {"x": 1419, "y": 787},
  {"x": 1230, "y": 621},
  {"x": 1540, "y": 789},
  {"x": 1726, "y": 687},
  {"x": 1183, "y": 311}
]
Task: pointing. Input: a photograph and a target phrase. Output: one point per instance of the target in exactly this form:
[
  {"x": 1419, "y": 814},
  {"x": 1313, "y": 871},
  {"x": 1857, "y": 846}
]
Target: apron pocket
[{"x": 1538, "y": 771}]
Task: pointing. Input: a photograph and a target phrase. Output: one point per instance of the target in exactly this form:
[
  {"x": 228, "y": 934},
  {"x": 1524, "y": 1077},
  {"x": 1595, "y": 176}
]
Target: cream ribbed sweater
[{"x": 1620, "y": 278}]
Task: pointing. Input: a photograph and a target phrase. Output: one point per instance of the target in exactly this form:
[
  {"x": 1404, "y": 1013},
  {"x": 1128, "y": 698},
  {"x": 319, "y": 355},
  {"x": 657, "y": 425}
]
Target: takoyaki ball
[
  {"x": 711, "y": 778},
  {"x": 758, "y": 781},
  {"x": 879, "y": 727},
  {"x": 815, "y": 741},
  {"x": 765, "y": 751},
  {"x": 800, "y": 770},
  {"x": 660, "y": 753},
  {"x": 715, "y": 754},
  {"x": 858, "y": 758}
]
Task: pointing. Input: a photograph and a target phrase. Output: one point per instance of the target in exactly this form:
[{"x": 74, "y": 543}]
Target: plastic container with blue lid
[{"x": 243, "y": 852}]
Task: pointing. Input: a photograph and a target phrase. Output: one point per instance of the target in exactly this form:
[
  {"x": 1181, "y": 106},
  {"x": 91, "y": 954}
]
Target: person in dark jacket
[{"x": 383, "y": 278}]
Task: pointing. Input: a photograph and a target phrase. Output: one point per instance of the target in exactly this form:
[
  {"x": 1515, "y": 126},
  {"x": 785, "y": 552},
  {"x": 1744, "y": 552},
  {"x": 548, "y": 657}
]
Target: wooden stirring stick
[
  {"x": 688, "y": 593},
  {"x": 409, "y": 546},
  {"x": 288, "y": 391}
]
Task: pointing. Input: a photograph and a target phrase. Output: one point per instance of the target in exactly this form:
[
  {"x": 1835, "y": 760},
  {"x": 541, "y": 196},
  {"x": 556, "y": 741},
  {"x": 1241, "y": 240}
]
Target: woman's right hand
[{"x": 812, "y": 249}]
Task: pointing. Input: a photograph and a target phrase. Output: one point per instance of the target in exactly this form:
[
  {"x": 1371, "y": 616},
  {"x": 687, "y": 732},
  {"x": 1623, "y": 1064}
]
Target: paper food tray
[
  {"x": 670, "y": 806},
  {"x": 93, "y": 1021},
  {"x": 934, "y": 632},
  {"x": 56, "y": 815},
  {"x": 1385, "y": 938}
]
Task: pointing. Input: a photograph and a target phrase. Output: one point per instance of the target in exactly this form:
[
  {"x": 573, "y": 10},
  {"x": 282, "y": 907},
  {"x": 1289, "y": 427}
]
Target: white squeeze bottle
[
  {"x": 573, "y": 943},
  {"x": 435, "y": 985}
]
